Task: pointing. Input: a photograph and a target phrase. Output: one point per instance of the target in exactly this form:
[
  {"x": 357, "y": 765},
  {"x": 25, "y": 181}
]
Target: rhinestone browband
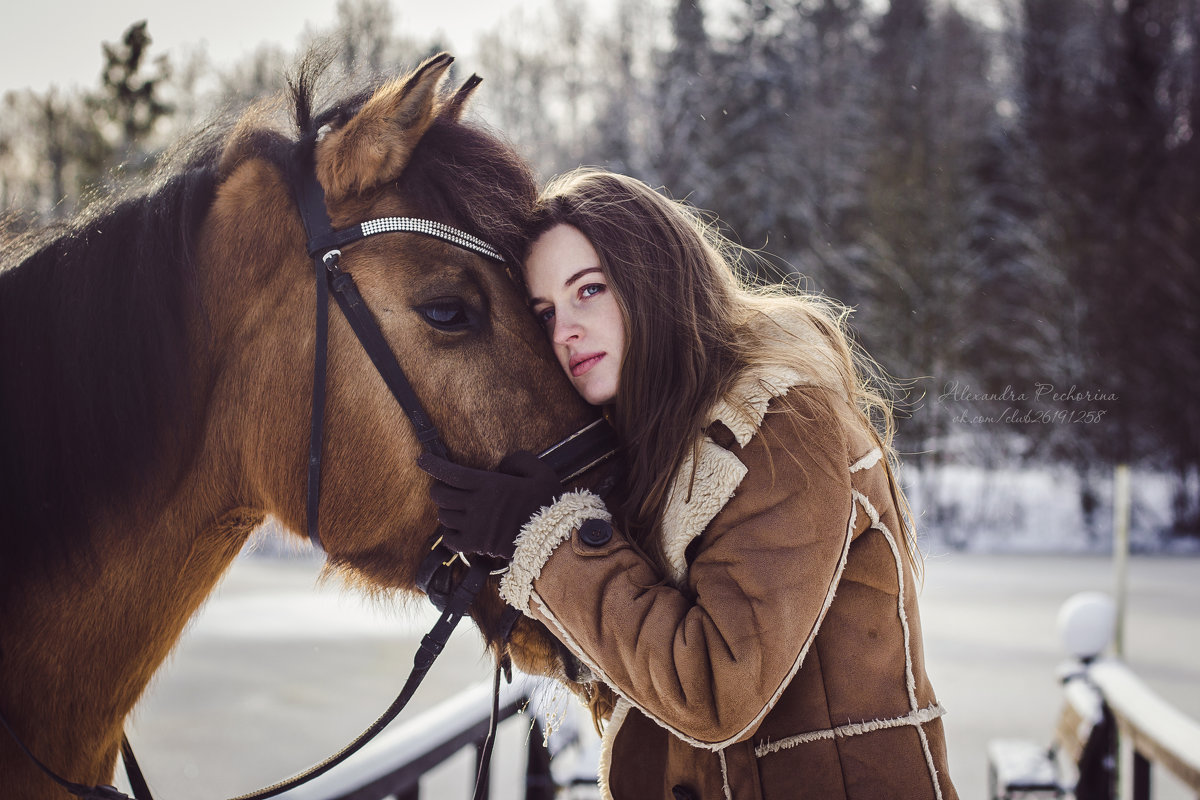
[{"x": 430, "y": 228}]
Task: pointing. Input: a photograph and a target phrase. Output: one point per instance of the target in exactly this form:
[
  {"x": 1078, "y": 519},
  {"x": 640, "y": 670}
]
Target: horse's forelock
[
  {"x": 473, "y": 179},
  {"x": 459, "y": 171}
]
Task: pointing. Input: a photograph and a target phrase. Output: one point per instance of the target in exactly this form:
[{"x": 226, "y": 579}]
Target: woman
[{"x": 747, "y": 598}]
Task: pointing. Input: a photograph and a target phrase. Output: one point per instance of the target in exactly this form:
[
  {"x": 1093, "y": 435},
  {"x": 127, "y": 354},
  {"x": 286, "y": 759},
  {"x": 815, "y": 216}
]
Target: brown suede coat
[{"x": 781, "y": 658}]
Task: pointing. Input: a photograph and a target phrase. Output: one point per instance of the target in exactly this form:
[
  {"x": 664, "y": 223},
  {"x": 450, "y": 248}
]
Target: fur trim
[
  {"x": 566, "y": 639},
  {"x": 606, "y": 747},
  {"x": 563, "y": 636},
  {"x": 916, "y": 718},
  {"x": 718, "y": 474},
  {"x": 743, "y": 410},
  {"x": 545, "y": 531},
  {"x": 866, "y": 462}
]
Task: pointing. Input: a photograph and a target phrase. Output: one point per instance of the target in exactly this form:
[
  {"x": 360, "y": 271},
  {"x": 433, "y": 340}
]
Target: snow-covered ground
[
  {"x": 279, "y": 671},
  {"x": 1037, "y": 509}
]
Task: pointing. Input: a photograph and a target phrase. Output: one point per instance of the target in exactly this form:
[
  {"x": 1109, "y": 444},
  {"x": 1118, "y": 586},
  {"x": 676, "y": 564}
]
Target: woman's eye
[
  {"x": 591, "y": 290},
  {"x": 446, "y": 315},
  {"x": 545, "y": 317}
]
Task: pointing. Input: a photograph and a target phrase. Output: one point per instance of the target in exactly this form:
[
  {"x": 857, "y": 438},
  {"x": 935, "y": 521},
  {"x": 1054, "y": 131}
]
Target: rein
[{"x": 569, "y": 458}]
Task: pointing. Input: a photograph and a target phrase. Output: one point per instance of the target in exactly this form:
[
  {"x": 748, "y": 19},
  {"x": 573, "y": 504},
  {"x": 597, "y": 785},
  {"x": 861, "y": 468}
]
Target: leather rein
[{"x": 570, "y": 458}]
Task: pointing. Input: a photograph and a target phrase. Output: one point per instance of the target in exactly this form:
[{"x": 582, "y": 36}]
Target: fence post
[
  {"x": 1120, "y": 552},
  {"x": 1141, "y": 776},
  {"x": 539, "y": 784}
]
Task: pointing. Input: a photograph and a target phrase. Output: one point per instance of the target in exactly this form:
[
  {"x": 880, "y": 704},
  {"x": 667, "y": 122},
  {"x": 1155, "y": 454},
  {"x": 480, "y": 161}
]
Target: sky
[{"x": 57, "y": 42}]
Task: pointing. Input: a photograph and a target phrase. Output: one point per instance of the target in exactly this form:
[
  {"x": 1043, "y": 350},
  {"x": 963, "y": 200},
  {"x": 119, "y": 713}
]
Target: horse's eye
[{"x": 446, "y": 315}]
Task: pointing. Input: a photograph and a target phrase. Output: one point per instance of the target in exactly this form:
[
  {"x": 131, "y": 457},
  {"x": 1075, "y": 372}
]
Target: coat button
[
  {"x": 595, "y": 532},
  {"x": 680, "y": 792}
]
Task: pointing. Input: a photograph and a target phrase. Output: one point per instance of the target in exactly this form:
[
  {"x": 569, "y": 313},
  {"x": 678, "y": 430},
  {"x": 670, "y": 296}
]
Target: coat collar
[{"x": 692, "y": 503}]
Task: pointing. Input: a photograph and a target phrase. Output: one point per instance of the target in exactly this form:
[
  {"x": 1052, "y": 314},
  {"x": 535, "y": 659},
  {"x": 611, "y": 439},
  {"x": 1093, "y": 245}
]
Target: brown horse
[{"x": 156, "y": 363}]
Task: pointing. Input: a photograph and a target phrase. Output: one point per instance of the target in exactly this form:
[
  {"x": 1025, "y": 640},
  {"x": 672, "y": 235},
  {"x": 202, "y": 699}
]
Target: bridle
[{"x": 570, "y": 458}]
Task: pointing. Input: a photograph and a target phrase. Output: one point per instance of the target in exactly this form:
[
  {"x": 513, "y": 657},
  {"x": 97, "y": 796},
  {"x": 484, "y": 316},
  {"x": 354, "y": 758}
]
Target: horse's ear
[
  {"x": 375, "y": 145},
  {"x": 458, "y": 103}
]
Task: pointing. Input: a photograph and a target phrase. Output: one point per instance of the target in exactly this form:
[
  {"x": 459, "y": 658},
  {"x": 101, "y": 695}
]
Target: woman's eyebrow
[
  {"x": 579, "y": 275},
  {"x": 533, "y": 301}
]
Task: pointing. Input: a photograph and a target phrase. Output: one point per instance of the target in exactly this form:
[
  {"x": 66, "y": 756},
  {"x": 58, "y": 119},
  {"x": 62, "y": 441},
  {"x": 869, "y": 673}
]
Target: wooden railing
[
  {"x": 393, "y": 764},
  {"x": 1157, "y": 732},
  {"x": 1111, "y": 731}
]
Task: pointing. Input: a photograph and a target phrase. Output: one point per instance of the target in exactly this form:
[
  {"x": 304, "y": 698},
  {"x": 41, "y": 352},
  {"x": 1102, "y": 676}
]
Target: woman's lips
[{"x": 581, "y": 364}]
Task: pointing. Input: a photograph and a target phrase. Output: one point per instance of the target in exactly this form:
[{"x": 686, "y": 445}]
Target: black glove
[{"x": 484, "y": 510}]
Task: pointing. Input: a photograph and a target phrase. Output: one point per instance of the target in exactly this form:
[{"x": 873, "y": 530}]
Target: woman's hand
[{"x": 484, "y": 510}]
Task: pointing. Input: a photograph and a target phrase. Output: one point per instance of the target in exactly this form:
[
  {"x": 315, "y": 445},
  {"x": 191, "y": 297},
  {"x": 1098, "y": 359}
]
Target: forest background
[{"x": 1008, "y": 197}]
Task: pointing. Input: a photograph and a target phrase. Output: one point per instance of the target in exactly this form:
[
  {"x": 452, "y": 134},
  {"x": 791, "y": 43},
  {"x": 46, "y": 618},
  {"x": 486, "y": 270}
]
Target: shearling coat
[{"x": 781, "y": 659}]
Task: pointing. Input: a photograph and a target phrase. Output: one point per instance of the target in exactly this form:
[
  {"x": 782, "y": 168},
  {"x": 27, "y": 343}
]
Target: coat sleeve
[{"x": 709, "y": 658}]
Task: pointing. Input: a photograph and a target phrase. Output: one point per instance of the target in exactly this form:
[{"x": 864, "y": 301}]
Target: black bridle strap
[
  {"x": 570, "y": 458},
  {"x": 310, "y": 199},
  {"x": 102, "y": 792},
  {"x": 133, "y": 771},
  {"x": 317, "y": 433},
  {"x": 365, "y": 327},
  {"x": 485, "y": 753},
  {"x": 431, "y": 647}
]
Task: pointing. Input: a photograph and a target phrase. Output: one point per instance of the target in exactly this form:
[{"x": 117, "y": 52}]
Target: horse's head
[{"x": 455, "y": 320}]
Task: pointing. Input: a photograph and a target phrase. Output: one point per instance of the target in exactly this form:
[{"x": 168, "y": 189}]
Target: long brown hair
[{"x": 694, "y": 323}]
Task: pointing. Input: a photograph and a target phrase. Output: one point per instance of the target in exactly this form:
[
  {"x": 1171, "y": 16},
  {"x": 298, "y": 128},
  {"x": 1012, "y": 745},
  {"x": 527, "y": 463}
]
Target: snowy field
[{"x": 279, "y": 671}]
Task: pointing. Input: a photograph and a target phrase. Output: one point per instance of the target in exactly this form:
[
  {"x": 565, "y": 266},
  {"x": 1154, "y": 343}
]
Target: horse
[{"x": 156, "y": 364}]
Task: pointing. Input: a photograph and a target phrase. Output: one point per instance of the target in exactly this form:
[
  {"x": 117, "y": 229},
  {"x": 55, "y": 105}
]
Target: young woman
[{"x": 747, "y": 598}]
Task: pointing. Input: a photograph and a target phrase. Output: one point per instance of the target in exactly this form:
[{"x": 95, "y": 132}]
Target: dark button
[
  {"x": 680, "y": 792},
  {"x": 595, "y": 532}
]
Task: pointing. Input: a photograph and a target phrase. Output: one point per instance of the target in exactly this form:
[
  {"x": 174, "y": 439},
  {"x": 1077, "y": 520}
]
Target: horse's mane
[
  {"x": 95, "y": 315},
  {"x": 93, "y": 363}
]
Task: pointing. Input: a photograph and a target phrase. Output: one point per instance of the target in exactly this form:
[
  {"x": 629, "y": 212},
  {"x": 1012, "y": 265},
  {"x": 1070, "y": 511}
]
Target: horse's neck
[{"x": 80, "y": 647}]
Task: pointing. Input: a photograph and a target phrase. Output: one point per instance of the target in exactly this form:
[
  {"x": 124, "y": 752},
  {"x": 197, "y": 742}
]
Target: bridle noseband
[{"x": 570, "y": 458}]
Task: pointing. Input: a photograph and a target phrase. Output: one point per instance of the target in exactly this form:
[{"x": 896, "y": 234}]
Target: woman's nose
[
  {"x": 565, "y": 330},
  {"x": 564, "y": 335}
]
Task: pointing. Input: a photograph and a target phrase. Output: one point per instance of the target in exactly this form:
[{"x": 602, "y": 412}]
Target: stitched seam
[
  {"x": 876, "y": 523},
  {"x": 933, "y": 773},
  {"x": 566, "y": 639},
  {"x": 915, "y": 718},
  {"x": 908, "y": 665},
  {"x": 725, "y": 775},
  {"x": 607, "y": 743}
]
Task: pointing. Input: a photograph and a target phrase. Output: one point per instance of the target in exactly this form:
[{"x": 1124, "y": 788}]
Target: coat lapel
[{"x": 711, "y": 474}]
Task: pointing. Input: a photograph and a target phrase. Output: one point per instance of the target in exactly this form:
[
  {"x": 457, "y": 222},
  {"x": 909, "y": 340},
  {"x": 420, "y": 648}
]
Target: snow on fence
[
  {"x": 1157, "y": 731},
  {"x": 1112, "y": 729}
]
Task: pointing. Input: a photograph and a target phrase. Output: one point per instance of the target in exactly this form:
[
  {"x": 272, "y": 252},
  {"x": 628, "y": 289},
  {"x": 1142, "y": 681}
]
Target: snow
[{"x": 1034, "y": 509}]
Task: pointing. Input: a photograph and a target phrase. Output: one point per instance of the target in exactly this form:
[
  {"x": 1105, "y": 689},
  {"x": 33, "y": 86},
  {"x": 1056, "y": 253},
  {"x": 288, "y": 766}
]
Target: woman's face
[{"x": 570, "y": 296}]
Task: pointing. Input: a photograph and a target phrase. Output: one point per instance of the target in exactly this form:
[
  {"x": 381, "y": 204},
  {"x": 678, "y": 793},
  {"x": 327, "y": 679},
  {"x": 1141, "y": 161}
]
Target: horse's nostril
[{"x": 575, "y": 670}]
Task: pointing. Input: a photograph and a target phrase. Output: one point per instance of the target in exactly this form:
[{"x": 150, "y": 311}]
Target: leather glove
[{"x": 483, "y": 510}]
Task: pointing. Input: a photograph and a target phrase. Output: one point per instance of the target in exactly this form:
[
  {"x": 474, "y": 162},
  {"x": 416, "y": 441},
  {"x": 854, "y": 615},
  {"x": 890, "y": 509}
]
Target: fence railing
[
  {"x": 1157, "y": 732},
  {"x": 393, "y": 764},
  {"x": 1112, "y": 729}
]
